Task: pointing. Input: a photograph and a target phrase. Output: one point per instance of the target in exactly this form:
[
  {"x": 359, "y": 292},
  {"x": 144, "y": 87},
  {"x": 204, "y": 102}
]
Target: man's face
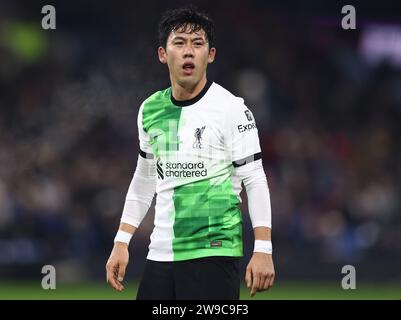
[{"x": 187, "y": 56}]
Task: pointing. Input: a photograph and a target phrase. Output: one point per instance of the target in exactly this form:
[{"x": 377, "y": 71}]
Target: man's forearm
[
  {"x": 138, "y": 200},
  {"x": 140, "y": 193},
  {"x": 255, "y": 182},
  {"x": 124, "y": 234},
  {"x": 257, "y": 190},
  {"x": 263, "y": 241},
  {"x": 262, "y": 233},
  {"x": 127, "y": 228}
]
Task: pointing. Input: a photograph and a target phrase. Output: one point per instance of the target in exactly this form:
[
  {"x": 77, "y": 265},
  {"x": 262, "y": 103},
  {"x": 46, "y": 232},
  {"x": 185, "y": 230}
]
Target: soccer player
[{"x": 198, "y": 143}]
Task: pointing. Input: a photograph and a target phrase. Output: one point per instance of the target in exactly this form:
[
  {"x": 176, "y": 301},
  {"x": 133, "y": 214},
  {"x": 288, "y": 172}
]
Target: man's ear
[
  {"x": 162, "y": 55},
  {"x": 212, "y": 55}
]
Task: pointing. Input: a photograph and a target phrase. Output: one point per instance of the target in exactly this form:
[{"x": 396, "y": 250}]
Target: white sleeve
[
  {"x": 246, "y": 156},
  {"x": 143, "y": 184},
  {"x": 145, "y": 148},
  {"x": 243, "y": 139},
  {"x": 140, "y": 192},
  {"x": 257, "y": 190}
]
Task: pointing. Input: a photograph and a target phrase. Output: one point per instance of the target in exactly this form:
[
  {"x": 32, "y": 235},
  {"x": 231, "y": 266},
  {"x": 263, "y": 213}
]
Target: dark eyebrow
[
  {"x": 197, "y": 39},
  {"x": 184, "y": 39},
  {"x": 179, "y": 38}
]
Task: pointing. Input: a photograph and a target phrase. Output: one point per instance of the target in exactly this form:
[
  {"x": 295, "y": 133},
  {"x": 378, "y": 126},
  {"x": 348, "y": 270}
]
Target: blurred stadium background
[{"x": 328, "y": 108}]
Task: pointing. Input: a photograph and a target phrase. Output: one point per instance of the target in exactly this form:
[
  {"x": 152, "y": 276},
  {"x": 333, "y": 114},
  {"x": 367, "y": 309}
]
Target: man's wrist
[
  {"x": 264, "y": 246},
  {"x": 123, "y": 237}
]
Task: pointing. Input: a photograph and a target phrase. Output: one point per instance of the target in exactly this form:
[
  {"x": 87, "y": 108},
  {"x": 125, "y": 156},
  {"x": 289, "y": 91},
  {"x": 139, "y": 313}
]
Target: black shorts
[{"x": 203, "y": 278}]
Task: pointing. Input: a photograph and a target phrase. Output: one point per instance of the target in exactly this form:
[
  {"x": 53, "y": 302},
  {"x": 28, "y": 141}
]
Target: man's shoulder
[
  {"x": 151, "y": 106},
  {"x": 228, "y": 101},
  {"x": 157, "y": 99},
  {"x": 224, "y": 94}
]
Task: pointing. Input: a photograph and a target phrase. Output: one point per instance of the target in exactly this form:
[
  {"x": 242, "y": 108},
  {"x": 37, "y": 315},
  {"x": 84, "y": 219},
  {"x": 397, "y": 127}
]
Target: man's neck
[{"x": 181, "y": 93}]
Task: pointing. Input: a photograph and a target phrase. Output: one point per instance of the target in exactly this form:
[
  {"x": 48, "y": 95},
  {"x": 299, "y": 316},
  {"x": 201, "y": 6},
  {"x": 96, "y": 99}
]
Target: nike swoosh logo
[{"x": 155, "y": 136}]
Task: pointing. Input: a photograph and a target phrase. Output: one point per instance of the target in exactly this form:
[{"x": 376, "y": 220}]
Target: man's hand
[
  {"x": 115, "y": 267},
  {"x": 260, "y": 272}
]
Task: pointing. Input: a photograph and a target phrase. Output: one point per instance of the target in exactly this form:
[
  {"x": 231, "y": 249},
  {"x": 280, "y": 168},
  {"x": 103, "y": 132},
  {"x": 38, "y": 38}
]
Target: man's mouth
[{"x": 188, "y": 67}]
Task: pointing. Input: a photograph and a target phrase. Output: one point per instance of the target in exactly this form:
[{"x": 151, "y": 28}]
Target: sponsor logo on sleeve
[
  {"x": 246, "y": 127},
  {"x": 248, "y": 115}
]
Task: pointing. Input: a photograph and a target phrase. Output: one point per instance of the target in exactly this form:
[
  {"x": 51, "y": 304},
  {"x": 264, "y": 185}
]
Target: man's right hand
[{"x": 115, "y": 266}]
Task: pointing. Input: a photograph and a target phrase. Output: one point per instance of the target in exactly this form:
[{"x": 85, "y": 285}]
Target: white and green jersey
[{"x": 195, "y": 145}]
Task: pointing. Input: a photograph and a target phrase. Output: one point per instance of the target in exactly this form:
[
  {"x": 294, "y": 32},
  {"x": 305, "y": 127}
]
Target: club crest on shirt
[{"x": 198, "y": 138}]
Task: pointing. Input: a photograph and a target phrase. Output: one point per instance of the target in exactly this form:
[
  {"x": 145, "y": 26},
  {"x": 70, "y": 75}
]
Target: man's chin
[{"x": 188, "y": 81}]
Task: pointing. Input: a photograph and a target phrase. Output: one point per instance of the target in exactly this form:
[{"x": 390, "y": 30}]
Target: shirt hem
[{"x": 207, "y": 252}]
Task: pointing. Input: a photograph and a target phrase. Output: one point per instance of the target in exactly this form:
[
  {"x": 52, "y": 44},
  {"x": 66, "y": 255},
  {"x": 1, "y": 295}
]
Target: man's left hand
[{"x": 260, "y": 272}]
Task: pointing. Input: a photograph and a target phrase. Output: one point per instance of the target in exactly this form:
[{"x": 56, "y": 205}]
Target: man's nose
[{"x": 188, "y": 51}]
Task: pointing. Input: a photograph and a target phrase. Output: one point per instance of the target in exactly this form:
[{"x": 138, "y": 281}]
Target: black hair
[{"x": 184, "y": 18}]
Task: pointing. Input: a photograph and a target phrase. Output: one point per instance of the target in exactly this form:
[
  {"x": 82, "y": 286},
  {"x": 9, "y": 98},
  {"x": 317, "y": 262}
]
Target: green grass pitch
[{"x": 285, "y": 291}]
